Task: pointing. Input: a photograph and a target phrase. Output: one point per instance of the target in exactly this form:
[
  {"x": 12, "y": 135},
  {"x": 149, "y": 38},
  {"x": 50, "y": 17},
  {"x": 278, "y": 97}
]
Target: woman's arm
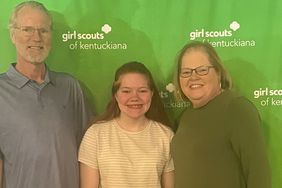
[
  {"x": 89, "y": 177},
  {"x": 1, "y": 172},
  {"x": 168, "y": 179},
  {"x": 248, "y": 143}
]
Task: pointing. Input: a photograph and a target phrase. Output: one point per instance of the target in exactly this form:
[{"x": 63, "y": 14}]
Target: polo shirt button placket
[{"x": 39, "y": 98}]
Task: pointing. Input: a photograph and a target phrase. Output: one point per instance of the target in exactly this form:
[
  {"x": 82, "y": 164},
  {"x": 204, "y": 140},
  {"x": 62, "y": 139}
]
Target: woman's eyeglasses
[{"x": 201, "y": 71}]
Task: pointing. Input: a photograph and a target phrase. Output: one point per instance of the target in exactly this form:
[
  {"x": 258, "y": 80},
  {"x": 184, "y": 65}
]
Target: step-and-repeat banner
[{"x": 92, "y": 38}]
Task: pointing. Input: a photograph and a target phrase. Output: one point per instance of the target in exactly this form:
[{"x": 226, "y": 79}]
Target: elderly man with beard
[{"x": 43, "y": 113}]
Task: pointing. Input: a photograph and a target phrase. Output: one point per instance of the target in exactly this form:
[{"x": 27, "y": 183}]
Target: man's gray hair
[{"x": 33, "y": 4}]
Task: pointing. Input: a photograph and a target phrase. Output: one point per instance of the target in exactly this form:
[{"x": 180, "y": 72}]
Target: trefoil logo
[
  {"x": 202, "y": 33},
  {"x": 80, "y": 41},
  {"x": 222, "y": 37}
]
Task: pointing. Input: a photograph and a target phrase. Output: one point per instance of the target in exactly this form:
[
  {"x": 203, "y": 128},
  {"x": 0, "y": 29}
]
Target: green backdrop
[{"x": 93, "y": 37}]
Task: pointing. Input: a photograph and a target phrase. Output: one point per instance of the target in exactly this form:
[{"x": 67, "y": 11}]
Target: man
[{"x": 43, "y": 114}]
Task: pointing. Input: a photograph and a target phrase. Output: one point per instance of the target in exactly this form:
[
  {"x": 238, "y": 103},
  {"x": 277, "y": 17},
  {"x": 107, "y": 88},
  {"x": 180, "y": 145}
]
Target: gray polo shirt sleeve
[{"x": 84, "y": 109}]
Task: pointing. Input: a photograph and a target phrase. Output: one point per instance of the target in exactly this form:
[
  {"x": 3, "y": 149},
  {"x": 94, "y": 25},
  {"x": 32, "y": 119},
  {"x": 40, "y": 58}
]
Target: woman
[
  {"x": 129, "y": 145},
  {"x": 219, "y": 142}
]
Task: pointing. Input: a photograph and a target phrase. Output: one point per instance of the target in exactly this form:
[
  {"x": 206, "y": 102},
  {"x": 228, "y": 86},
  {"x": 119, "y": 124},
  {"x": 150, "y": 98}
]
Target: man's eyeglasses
[
  {"x": 29, "y": 31},
  {"x": 201, "y": 71}
]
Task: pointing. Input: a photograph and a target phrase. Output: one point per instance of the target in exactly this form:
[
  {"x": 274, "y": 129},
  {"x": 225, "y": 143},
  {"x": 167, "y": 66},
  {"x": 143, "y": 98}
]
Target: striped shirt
[{"x": 128, "y": 159}]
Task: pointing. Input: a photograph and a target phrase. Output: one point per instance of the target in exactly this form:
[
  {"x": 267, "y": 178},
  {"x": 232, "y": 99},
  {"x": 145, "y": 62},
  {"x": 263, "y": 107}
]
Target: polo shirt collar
[{"x": 20, "y": 80}]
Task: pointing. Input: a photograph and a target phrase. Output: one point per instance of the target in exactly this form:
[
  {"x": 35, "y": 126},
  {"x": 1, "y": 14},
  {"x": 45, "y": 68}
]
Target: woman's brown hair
[{"x": 156, "y": 111}]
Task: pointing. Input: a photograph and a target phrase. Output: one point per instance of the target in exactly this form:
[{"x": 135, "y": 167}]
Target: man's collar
[{"x": 20, "y": 80}]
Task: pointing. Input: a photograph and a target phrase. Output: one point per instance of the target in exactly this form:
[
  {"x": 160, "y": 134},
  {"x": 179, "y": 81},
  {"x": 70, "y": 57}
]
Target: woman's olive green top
[{"x": 221, "y": 145}]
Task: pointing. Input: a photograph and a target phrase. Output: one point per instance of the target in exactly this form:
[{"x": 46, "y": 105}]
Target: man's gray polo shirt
[{"x": 40, "y": 130}]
